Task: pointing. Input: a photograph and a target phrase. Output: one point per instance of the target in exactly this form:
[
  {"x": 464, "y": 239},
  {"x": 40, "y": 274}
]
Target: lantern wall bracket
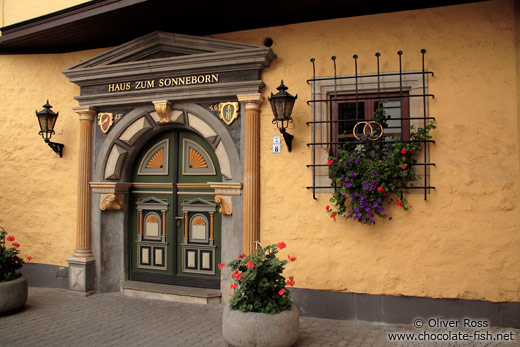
[
  {"x": 56, "y": 147},
  {"x": 287, "y": 138}
]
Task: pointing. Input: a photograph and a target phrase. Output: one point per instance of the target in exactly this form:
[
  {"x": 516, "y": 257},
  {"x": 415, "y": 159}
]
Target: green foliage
[
  {"x": 368, "y": 174},
  {"x": 261, "y": 287},
  {"x": 10, "y": 263}
]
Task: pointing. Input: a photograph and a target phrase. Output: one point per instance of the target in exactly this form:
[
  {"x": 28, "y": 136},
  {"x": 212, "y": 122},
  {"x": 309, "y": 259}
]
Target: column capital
[
  {"x": 85, "y": 112},
  {"x": 251, "y": 100}
]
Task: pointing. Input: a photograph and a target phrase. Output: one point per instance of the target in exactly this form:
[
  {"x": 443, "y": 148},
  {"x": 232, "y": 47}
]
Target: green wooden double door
[{"x": 175, "y": 225}]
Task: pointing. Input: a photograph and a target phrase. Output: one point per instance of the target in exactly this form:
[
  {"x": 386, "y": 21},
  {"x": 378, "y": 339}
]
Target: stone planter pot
[
  {"x": 13, "y": 294},
  {"x": 260, "y": 329}
]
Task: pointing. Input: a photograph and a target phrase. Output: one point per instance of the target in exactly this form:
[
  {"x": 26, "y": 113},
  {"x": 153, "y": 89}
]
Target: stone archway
[{"x": 112, "y": 182}]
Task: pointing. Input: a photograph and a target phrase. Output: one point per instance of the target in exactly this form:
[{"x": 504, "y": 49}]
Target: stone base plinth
[{"x": 81, "y": 274}]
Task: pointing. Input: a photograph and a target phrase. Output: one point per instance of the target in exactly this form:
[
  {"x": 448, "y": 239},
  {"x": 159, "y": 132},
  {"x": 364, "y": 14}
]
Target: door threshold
[{"x": 168, "y": 292}]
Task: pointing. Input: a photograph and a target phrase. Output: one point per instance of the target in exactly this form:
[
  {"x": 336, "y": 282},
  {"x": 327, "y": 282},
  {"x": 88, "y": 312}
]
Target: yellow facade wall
[
  {"x": 464, "y": 241},
  {"x": 14, "y": 11},
  {"x": 38, "y": 188}
]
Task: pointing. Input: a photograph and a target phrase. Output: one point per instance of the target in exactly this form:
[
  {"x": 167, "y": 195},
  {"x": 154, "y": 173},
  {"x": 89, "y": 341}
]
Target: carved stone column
[
  {"x": 251, "y": 230},
  {"x": 81, "y": 264}
]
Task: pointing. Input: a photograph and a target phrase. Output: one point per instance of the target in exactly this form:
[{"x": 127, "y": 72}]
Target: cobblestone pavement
[{"x": 56, "y": 317}]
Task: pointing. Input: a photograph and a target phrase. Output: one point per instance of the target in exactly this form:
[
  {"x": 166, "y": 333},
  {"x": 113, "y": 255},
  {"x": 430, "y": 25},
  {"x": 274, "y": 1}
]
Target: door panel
[{"x": 175, "y": 224}]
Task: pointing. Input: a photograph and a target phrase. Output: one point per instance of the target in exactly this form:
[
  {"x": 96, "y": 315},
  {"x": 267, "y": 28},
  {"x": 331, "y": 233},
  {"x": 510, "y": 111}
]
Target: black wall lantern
[
  {"x": 47, "y": 119},
  {"x": 282, "y": 104}
]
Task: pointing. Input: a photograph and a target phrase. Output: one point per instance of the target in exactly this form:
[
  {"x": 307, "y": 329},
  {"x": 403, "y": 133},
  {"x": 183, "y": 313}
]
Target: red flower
[
  {"x": 220, "y": 266},
  {"x": 250, "y": 265},
  {"x": 403, "y": 167},
  {"x": 330, "y": 162},
  {"x": 403, "y": 151},
  {"x": 281, "y": 245},
  {"x": 399, "y": 203},
  {"x": 290, "y": 281},
  {"x": 384, "y": 193},
  {"x": 29, "y": 257},
  {"x": 291, "y": 257},
  {"x": 16, "y": 244},
  {"x": 240, "y": 256},
  {"x": 11, "y": 259},
  {"x": 237, "y": 274},
  {"x": 281, "y": 291},
  {"x": 332, "y": 216},
  {"x": 233, "y": 286},
  {"x": 10, "y": 238},
  {"x": 380, "y": 189},
  {"x": 327, "y": 207}
]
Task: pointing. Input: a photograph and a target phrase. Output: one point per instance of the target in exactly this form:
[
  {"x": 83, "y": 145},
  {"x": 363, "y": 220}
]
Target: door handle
[{"x": 179, "y": 221}]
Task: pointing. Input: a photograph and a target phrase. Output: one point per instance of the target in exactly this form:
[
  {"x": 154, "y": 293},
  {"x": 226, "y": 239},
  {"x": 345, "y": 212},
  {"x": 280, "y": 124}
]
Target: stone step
[{"x": 170, "y": 292}]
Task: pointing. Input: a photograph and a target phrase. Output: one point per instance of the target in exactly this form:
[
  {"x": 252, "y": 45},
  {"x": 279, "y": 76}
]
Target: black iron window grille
[{"x": 340, "y": 102}]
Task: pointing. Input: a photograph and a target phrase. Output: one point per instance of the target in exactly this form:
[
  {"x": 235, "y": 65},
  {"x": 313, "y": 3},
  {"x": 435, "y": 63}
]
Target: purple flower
[
  {"x": 356, "y": 161},
  {"x": 349, "y": 184}
]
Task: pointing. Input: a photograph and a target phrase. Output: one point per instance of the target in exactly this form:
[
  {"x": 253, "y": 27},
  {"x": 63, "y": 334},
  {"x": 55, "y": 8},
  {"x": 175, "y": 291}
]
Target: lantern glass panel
[{"x": 279, "y": 107}]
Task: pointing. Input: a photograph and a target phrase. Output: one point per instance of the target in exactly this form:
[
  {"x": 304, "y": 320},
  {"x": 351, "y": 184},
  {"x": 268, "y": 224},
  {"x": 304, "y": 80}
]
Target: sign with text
[{"x": 163, "y": 82}]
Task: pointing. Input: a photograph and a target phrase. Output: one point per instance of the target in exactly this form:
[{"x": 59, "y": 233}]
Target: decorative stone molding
[
  {"x": 163, "y": 109},
  {"x": 111, "y": 202},
  {"x": 112, "y": 194},
  {"x": 225, "y": 206}
]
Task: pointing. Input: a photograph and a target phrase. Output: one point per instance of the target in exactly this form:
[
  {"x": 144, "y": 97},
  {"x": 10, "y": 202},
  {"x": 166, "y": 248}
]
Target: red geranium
[
  {"x": 380, "y": 189},
  {"x": 399, "y": 203},
  {"x": 233, "y": 286},
  {"x": 16, "y": 244},
  {"x": 250, "y": 265},
  {"x": 29, "y": 257},
  {"x": 291, "y": 257},
  {"x": 220, "y": 266},
  {"x": 403, "y": 151},
  {"x": 10, "y": 238},
  {"x": 237, "y": 274},
  {"x": 281, "y": 245},
  {"x": 403, "y": 167},
  {"x": 330, "y": 162},
  {"x": 281, "y": 291}
]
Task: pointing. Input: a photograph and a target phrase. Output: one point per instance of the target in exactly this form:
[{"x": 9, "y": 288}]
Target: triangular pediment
[
  {"x": 161, "y": 45},
  {"x": 166, "y": 66},
  {"x": 151, "y": 200}
]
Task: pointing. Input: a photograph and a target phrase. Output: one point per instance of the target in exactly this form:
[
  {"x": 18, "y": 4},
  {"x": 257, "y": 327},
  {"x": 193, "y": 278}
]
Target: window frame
[{"x": 369, "y": 100}]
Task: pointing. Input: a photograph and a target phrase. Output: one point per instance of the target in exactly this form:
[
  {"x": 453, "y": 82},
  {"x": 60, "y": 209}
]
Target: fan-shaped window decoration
[
  {"x": 152, "y": 226},
  {"x": 199, "y": 227},
  {"x": 196, "y": 161},
  {"x": 155, "y": 161}
]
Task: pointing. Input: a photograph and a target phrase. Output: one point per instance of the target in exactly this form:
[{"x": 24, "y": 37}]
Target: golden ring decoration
[{"x": 370, "y": 127}]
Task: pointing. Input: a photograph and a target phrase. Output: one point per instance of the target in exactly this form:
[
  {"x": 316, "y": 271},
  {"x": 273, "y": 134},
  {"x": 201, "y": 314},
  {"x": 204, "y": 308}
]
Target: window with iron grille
[{"x": 340, "y": 102}]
